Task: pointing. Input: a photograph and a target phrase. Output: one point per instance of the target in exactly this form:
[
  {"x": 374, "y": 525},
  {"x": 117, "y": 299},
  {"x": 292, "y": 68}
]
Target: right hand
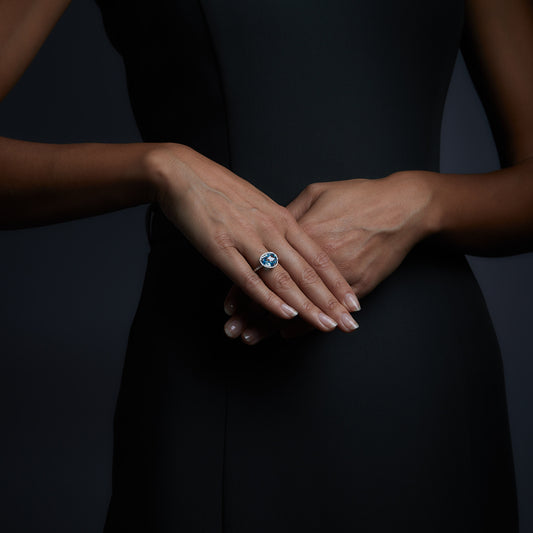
[{"x": 231, "y": 223}]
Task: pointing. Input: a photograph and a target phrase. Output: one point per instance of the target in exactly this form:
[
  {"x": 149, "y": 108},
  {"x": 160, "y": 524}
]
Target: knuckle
[
  {"x": 309, "y": 276},
  {"x": 308, "y": 189},
  {"x": 321, "y": 260},
  {"x": 339, "y": 284},
  {"x": 332, "y": 305},
  {"x": 307, "y": 306},
  {"x": 283, "y": 281},
  {"x": 251, "y": 281},
  {"x": 312, "y": 188},
  {"x": 270, "y": 300}
]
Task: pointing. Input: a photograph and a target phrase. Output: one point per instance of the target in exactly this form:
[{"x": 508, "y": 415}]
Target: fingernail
[
  {"x": 326, "y": 321},
  {"x": 229, "y": 308},
  {"x": 349, "y": 322},
  {"x": 249, "y": 337},
  {"x": 352, "y": 302},
  {"x": 289, "y": 311},
  {"x": 233, "y": 328}
]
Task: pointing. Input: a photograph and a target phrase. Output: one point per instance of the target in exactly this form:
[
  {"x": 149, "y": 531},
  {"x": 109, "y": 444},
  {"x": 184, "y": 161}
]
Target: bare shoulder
[{"x": 24, "y": 26}]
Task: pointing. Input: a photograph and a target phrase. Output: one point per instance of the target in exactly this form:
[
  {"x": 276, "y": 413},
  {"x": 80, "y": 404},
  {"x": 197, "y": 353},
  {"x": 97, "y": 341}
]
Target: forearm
[
  {"x": 487, "y": 214},
  {"x": 48, "y": 183}
]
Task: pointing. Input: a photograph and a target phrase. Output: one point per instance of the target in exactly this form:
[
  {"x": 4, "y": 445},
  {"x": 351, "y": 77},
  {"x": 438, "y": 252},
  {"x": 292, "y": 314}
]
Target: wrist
[
  {"x": 425, "y": 185},
  {"x": 434, "y": 210},
  {"x": 163, "y": 169}
]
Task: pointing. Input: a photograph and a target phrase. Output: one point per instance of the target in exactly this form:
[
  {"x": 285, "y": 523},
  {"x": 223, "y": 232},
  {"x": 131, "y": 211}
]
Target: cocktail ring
[{"x": 267, "y": 260}]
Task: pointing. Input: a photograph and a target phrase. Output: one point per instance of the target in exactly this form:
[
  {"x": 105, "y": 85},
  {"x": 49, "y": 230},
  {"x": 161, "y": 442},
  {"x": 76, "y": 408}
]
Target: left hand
[{"x": 367, "y": 227}]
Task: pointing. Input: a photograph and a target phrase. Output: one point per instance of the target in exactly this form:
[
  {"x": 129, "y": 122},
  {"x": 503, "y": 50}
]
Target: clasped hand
[
  {"x": 231, "y": 223},
  {"x": 366, "y": 226},
  {"x": 335, "y": 240}
]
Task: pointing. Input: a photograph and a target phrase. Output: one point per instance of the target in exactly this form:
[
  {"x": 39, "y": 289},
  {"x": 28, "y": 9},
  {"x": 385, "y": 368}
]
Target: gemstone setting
[{"x": 268, "y": 260}]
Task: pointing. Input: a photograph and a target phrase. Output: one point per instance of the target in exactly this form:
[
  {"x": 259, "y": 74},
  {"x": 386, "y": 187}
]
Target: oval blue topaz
[{"x": 269, "y": 260}]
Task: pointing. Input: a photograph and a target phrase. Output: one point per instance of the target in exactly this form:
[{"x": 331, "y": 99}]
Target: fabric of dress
[{"x": 401, "y": 425}]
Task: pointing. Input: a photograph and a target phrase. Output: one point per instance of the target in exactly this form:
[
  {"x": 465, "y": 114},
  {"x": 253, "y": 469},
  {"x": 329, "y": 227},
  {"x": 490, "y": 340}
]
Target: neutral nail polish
[
  {"x": 232, "y": 328},
  {"x": 229, "y": 308},
  {"x": 325, "y": 320},
  {"x": 249, "y": 337},
  {"x": 352, "y": 302},
  {"x": 349, "y": 322},
  {"x": 289, "y": 311}
]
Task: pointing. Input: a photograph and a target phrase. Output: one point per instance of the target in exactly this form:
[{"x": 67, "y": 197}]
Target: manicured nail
[
  {"x": 326, "y": 321},
  {"x": 289, "y": 311},
  {"x": 352, "y": 302},
  {"x": 349, "y": 322},
  {"x": 229, "y": 308},
  {"x": 249, "y": 337},
  {"x": 233, "y": 328}
]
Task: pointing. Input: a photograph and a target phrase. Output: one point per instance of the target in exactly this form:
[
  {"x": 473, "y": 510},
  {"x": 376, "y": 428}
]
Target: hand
[
  {"x": 367, "y": 227},
  {"x": 231, "y": 223}
]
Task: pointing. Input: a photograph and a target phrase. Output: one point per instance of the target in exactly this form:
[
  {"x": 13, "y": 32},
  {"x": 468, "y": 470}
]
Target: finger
[
  {"x": 238, "y": 269},
  {"x": 234, "y": 299},
  {"x": 248, "y": 311},
  {"x": 260, "y": 328},
  {"x": 304, "y": 289},
  {"x": 252, "y": 323},
  {"x": 281, "y": 282},
  {"x": 285, "y": 298},
  {"x": 283, "y": 286},
  {"x": 324, "y": 267},
  {"x": 235, "y": 326}
]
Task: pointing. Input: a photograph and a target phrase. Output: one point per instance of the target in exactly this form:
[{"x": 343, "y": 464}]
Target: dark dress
[{"x": 399, "y": 426}]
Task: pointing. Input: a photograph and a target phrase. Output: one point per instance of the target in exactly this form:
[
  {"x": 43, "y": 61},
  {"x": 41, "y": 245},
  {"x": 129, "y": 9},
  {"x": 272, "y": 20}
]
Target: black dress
[{"x": 399, "y": 426}]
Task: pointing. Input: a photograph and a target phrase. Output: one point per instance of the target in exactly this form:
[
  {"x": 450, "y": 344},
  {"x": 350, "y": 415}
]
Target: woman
[{"x": 400, "y": 424}]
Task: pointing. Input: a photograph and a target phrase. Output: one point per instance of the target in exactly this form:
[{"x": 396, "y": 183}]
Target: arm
[
  {"x": 226, "y": 219},
  {"x": 492, "y": 214},
  {"x": 46, "y": 183},
  {"x": 368, "y": 226}
]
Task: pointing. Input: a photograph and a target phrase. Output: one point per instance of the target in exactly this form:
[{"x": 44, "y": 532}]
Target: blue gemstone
[{"x": 269, "y": 260}]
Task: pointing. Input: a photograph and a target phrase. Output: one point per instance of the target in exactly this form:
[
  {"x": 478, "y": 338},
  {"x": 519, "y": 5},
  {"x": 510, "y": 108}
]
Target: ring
[{"x": 267, "y": 260}]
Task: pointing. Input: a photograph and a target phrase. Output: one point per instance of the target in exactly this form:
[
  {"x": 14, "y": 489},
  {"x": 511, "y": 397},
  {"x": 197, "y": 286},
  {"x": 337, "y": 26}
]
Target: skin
[
  {"x": 227, "y": 219},
  {"x": 336, "y": 239},
  {"x": 366, "y": 226},
  {"x": 231, "y": 223},
  {"x": 369, "y": 226}
]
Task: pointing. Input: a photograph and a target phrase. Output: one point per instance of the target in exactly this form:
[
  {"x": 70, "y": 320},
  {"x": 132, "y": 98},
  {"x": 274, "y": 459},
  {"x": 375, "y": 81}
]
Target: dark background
[{"x": 68, "y": 293}]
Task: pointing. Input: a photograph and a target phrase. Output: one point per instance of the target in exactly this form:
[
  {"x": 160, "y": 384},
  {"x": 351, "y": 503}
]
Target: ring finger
[{"x": 302, "y": 288}]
